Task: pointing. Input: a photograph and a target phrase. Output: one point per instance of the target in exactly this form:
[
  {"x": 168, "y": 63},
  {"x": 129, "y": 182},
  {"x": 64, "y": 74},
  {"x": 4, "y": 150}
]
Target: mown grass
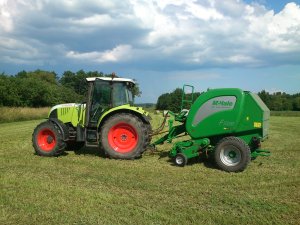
[
  {"x": 84, "y": 188},
  {"x": 12, "y": 114},
  {"x": 285, "y": 113}
]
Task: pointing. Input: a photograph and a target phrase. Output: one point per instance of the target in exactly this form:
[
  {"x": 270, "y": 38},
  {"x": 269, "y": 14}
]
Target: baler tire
[
  {"x": 180, "y": 160},
  {"x": 128, "y": 127},
  {"x": 239, "y": 151},
  {"x": 47, "y": 139}
]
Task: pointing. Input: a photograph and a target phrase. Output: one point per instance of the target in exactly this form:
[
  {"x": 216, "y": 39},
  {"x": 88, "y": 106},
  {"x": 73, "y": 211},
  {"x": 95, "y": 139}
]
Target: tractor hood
[
  {"x": 67, "y": 105},
  {"x": 70, "y": 112}
]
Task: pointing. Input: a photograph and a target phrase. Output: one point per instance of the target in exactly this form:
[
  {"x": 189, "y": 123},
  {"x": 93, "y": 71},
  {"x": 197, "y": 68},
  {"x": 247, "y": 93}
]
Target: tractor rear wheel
[
  {"x": 47, "y": 139},
  {"x": 232, "y": 154},
  {"x": 124, "y": 136}
]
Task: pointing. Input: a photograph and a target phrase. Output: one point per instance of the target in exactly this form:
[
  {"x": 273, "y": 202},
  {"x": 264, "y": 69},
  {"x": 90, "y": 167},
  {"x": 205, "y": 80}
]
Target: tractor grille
[{"x": 64, "y": 111}]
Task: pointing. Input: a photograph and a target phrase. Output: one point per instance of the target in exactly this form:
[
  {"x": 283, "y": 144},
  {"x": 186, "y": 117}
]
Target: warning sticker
[{"x": 257, "y": 124}]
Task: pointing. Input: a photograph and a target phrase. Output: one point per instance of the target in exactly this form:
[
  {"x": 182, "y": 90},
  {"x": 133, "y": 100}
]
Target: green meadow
[{"x": 83, "y": 187}]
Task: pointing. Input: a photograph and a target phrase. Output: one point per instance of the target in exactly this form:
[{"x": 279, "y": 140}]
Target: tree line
[
  {"x": 172, "y": 101},
  {"x": 279, "y": 101},
  {"x": 44, "y": 88}
]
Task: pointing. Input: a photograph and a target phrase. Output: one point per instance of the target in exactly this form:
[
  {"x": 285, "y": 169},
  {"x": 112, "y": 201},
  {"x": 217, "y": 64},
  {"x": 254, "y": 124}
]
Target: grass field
[
  {"x": 285, "y": 113},
  {"x": 84, "y": 188},
  {"x": 12, "y": 114}
]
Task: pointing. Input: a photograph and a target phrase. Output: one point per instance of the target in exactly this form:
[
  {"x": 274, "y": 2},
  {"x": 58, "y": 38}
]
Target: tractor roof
[{"x": 90, "y": 79}]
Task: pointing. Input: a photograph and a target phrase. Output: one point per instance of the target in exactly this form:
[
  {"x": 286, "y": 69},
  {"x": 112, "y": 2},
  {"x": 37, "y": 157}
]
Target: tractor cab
[{"x": 105, "y": 93}]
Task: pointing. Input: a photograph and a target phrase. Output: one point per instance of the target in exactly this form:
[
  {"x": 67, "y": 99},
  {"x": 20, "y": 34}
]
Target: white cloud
[
  {"x": 6, "y": 23},
  {"x": 242, "y": 59},
  {"x": 277, "y": 32},
  {"x": 188, "y": 33},
  {"x": 202, "y": 12},
  {"x": 16, "y": 51},
  {"x": 118, "y": 54},
  {"x": 97, "y": 20}
]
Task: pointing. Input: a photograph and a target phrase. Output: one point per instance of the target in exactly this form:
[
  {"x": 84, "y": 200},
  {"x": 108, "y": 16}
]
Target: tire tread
[
  {"x": 145, "y": 130},
  {"x": 246, "y": 152},
  {"x": 60, "y": 146}
]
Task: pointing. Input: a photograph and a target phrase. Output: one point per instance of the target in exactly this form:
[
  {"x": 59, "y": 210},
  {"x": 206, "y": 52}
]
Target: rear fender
[{"x": 138, "y": 111}]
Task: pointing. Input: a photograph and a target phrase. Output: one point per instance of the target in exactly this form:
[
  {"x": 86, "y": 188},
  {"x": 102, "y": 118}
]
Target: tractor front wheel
[
  {"x": 47, "y": 139},
  {"x": 232, "y": 154},
  {"x": 124, "y": 136}
]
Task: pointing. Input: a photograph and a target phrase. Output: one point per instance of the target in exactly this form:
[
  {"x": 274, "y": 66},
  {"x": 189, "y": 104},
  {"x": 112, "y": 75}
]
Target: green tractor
[{"x": 107, "y": 120}]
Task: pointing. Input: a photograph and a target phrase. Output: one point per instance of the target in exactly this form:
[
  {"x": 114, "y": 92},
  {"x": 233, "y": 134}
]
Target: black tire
[
  {"x": 232, "y": 154},
  {"x": 128, "y": 129},
  {"x": 180, "y": 160},
  {"x": 47, "y": 139},
  {"x": 147, "y": 132}
]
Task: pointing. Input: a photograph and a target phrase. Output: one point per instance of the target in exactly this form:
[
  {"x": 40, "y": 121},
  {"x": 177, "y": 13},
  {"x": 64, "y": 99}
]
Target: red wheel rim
[
  {"x": 122, "y": 137},
  {"x": 46, "y": 140}
]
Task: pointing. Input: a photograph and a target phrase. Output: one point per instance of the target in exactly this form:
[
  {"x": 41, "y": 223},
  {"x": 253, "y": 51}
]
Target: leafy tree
[
  {"x": 43, "y": 88},
  {"x": 265, "y": 97},
  {"x": 136, "y": 92},
  {"x": 296, "y": 103},
  {"x": 175, "y": 100},
  {"x": 49, "y": 77},
  {"x": 172, "y": 101},
  {"x": 34, "y": 89},
  {"x": 9, "y": 93},
  {"x": 163, "y": 101},
  {"x": 77, "y": 81}
]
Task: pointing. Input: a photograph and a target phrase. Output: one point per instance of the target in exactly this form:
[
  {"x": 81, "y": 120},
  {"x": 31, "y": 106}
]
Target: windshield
[
  {"x": 122, "y": 94},
  {"x": 107, "y": 94}
]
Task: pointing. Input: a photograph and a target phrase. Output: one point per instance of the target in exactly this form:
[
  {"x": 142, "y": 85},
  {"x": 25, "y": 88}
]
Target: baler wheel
[
  {"x": 124, "y": 136},
  {"x": 47, "y": 139},
  {"x": 232, "y": 154},
  {"x": 180, "y": 160}
]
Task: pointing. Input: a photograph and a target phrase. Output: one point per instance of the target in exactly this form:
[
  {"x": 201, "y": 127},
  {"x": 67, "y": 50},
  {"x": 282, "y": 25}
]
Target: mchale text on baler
[{"x": 226, "y": 123}]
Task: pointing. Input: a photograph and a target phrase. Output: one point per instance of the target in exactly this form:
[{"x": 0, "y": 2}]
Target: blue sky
[{"x": 164, "y": 44}]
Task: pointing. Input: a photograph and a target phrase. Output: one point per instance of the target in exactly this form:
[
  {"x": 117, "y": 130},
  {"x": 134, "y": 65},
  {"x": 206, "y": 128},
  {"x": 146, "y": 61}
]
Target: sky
[{"x": 163, "y": 44}]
